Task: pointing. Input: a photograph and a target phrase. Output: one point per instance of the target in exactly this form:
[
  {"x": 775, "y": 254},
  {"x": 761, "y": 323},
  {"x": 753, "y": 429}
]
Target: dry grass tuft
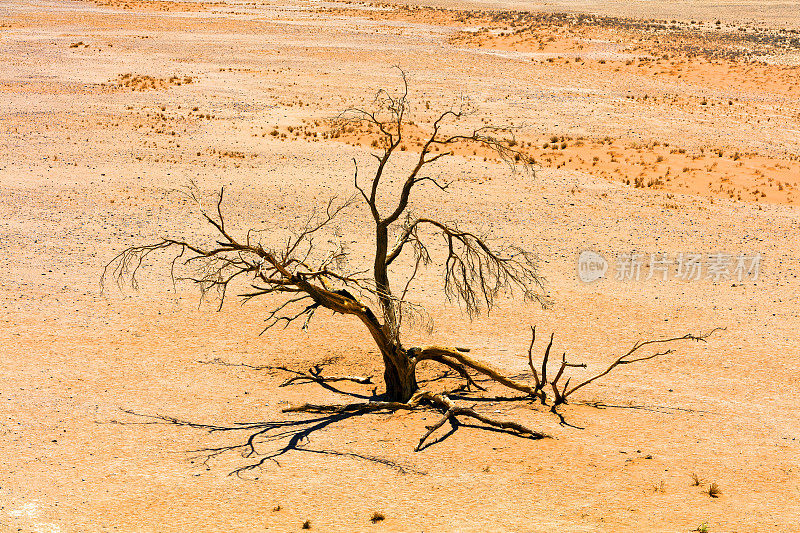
[{"x": 140, "y": 82}]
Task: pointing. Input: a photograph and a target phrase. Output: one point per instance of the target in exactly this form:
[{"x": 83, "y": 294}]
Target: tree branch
[{"x": 622, "y": 360}]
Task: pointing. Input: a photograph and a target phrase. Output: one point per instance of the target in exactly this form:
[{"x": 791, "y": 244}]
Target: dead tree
[{"x": 474, "y": 273}]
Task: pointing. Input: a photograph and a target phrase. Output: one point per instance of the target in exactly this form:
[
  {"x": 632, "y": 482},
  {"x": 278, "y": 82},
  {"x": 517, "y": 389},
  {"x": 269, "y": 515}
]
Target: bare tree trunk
[
  {"x": 390, "y": 326},
  {"x": 399, "y": 373},
  {"x": 399, "y": 369},
  {"x": 400, "y": 378}
]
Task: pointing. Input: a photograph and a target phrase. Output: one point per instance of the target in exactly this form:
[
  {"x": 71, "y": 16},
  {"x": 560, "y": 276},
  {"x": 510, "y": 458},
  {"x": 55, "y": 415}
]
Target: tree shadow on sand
[{"x": 267, "y": 441}]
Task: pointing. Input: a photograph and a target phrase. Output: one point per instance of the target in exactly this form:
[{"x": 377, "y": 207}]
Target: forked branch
[
  {"x": 627, "y": 358},
  {"x": 474, "y": 272}
]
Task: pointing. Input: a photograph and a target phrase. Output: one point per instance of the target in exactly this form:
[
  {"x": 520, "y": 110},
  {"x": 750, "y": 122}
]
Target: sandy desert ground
[{"x": 675, "y": 131}]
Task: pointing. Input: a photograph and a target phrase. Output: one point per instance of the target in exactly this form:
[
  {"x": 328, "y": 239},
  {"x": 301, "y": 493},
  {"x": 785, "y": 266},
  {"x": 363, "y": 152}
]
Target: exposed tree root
[
  {"x": 452, "y": 411},
  {"x": 455, "y": 357},
  {"x": 461, "y": 369},
  {"x": 362, "y": 407},
  {"x": 441, "y": 401}
]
